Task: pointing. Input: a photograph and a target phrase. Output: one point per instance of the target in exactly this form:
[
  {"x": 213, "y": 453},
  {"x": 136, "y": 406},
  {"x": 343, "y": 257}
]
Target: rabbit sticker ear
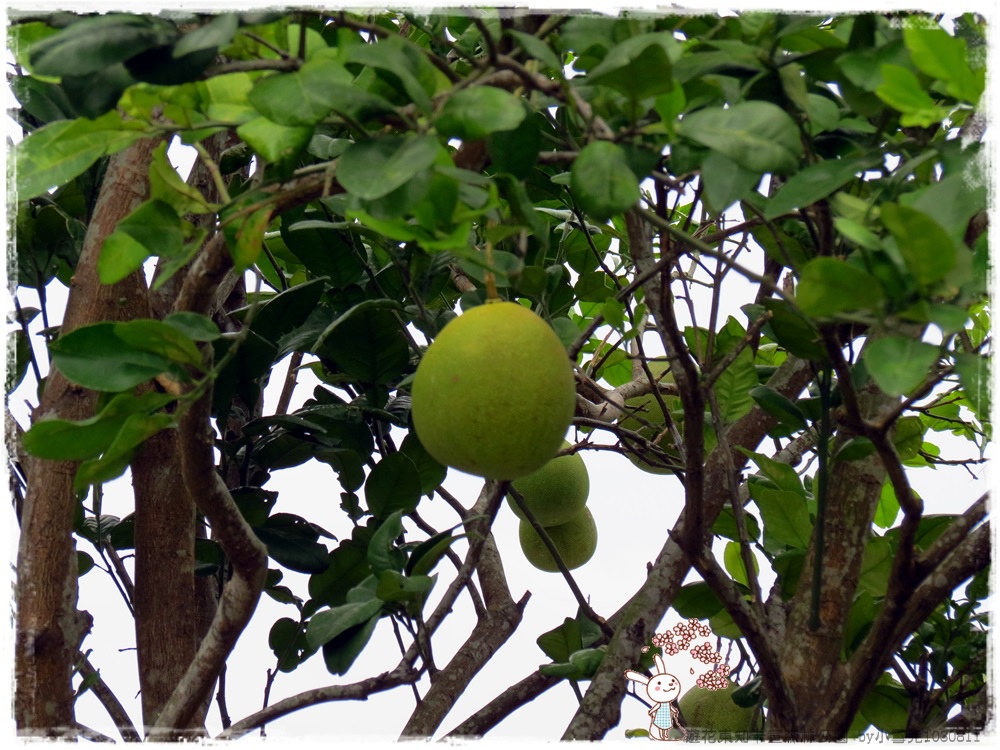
[
  {"x": 661, "y": 668},
  {"x": 636, "y": 677}
]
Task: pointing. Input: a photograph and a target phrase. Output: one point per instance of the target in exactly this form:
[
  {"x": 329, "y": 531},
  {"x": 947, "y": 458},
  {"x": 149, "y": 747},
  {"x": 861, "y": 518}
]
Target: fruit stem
[{"x": 488, "y": 278}]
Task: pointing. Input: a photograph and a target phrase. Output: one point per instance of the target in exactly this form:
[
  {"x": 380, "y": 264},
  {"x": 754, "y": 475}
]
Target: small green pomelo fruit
[
  {"x": 494, "y": 393},
  {"x": 646, "y": 418},
  {"x": 556, "y": 492},
  {"x": 714, "y": 710},
  {"x": 575, "y": 540}
]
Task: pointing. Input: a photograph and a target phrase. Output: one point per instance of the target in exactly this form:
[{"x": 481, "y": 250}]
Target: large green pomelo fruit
[
  {"x": 575, "y": 540},
  {"x": 494, "y": 393},
  {"x": 556, "y": 492},
  {"x": 714, "y": 710}
]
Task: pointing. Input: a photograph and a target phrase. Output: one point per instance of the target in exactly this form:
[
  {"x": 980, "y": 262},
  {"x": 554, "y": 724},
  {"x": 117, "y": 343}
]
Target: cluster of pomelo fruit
[
  {"x": 493, "y": 396},
  {"x": 556, "y": 495}
]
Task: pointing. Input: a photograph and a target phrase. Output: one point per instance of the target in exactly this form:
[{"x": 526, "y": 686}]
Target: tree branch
[{"x": 357, "y": 691}]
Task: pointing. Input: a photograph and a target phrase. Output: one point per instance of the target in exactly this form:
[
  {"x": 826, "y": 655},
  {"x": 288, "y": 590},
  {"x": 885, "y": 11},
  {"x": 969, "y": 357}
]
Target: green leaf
[
  {"x": 475, "y": 112},
  {"x": 428, "y": 553},
  {"x": 56, "y": 153},
  {"x": 602, "y": 181},
  {"x": 276, "y": 143},
  {"x": 347, "y": 566},
  {"x": 781, "y": 246},
  {"x": 153, "y": 228},
  {"x": 829, "y": 286},
  {"x": 901, "y": 90},
  {"x": 218, "y": 32},
  {"x": 725, "y": 525},
  {"x": 135, "y": 430},
  {"x": 536, "y": 48},
  {"x": 974, "y": 376},
  {"x": 393, "y": 586},
  {"x": 757, "y": 135},
  {"x": 62, "y": 440},
  {"x": 160, "y": 338},
  {"x": 953, "y": 201},
  {"x": 726, "y": 182},
  {"x": 225, "y": 97},
  {"x": 302, "y": 98},
  {"x": 18, "y": 359},
  {"x": 94, "y": 357},
  {"x": 324, "y": 250},
  {"x": 908, "y": 436},
  {"x": 888, "y": 507},
  {"x": 93, "y": 43},
  {"x": 733, "y": 560},
  {"x": 382, "y": 552},
  {"x": 785, "y": 515},
  {"x": 84, "y": 564},
  {"x": 516, "y": 151},
  {"x": 938, "y": 54},
  {"x": 292, "y": 542},
  {"x": 859, "y": 621},
  {"x": 793, "y": 331},
  {"x": 196, "y": 327},
  {"x": 587, "y": 661},
  {"x": 733, "y": 386},
  {"x": 166, "y": 185},
  {"x": 327, "y": 625},
  {"x": 927, "y": 249},
  {"x": 856, "y": 233},
  {"x": 779, "y": 406},
  {"x": 287, "y": 310},
  {"x": 560, "y": 642},
  {"x": 696, "y": 600},
  {"x": 287, "y": 640},
  {"x": 340, "y": 652},
  {"x": 402, "y": 65},
  {"x": 432, "y": 472},
  {"x": 887, "y": 708},
  {"x": 876, "y": 565},
  {"x": 392, "y": 485},
  {"x": 244, "y": 234},
  {"x": 374, "y": 168},
  {"x": 899, "y": 364},
  {"x": 815, "y": 183},
  {"x": 367, "y": 343},
  {"x": 638, "y": 67},
  {"x": 781, "y": 474},
  {"x": 854, "y": 449}
]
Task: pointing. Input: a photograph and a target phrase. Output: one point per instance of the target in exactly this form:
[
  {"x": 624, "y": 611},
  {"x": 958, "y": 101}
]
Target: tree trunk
[
  {"x": 166, "y": 529},
  {"x": 48, "y": 627},
  {"x": 810, "y": 660}
]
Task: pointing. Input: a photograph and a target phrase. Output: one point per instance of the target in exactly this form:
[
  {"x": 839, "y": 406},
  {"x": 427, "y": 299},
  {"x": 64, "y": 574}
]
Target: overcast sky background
[{"x": 623, "y": 500}]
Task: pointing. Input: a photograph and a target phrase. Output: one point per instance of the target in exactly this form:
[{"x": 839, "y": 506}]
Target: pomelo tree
[{"x": 788, "y": 211}]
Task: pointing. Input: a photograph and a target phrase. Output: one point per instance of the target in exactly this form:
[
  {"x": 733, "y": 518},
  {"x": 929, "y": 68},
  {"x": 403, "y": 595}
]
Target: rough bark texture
[
  {"x": 165, "y": 530},
  {"x": 164, "y": 573},
  {"x": 494, "y": 628},
  {"x": 49, "y": 628}
]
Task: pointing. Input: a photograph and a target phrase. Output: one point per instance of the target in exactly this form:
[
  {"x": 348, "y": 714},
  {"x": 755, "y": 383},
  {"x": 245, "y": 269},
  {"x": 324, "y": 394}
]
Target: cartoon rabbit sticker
[{"x": 662, "y": 689}]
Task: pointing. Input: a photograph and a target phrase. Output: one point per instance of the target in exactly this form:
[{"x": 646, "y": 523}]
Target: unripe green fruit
[
  {"x": 494, "y": 393},
  {"x": 556, "y": 492},
  {"x": 575, "y": 540},
  {"x": 714, "y": 710},
  {"x": 649, "y": 410}
]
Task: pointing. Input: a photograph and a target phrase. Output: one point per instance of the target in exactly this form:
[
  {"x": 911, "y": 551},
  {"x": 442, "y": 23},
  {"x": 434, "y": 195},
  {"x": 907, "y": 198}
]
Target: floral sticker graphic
[{"x": 663, "y": 689}]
